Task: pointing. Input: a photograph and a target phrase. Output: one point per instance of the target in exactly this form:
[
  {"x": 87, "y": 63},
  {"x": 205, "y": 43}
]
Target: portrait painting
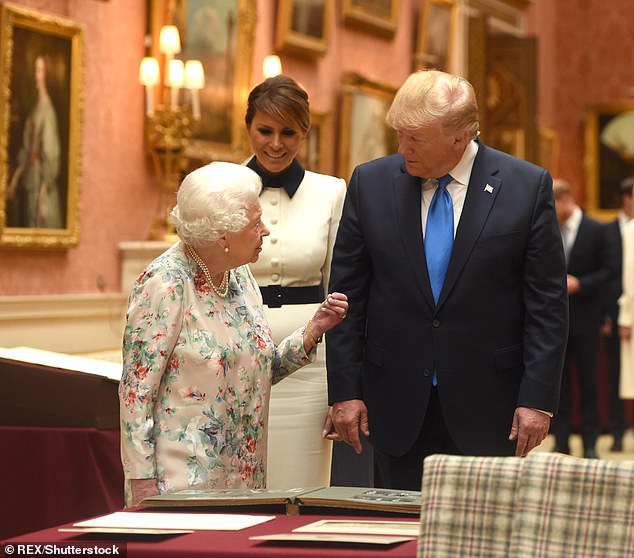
[
  {"x": 610, "y": 153},
  {"x": 219, "y": 33},
  {"x": 435, "y": 35},
  {"x": 302, "y": 27},
  {"x": 40, "y": 118},
  {"x": 364, "y": 133},
  {"x": 374, "y": 16}
]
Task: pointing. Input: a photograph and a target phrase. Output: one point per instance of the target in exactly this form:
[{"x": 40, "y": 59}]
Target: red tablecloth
[
  {"x": 56, "y": 475},
  {"x": 232, "y": 544}
]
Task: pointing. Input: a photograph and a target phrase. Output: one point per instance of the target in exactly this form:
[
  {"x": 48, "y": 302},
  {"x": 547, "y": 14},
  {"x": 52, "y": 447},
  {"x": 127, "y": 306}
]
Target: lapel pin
[{"x": 488, "y": 188}]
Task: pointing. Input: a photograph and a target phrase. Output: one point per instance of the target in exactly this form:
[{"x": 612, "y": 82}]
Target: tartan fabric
[
  {"x": 572, "y": 507},
  {"x": 467, "y": 506},
  {"x": 543, "y": 505}
]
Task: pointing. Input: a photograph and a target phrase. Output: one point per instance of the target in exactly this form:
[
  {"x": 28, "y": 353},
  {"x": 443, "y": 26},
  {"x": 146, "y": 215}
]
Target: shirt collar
[
  {"x": 462, "y": 171},
  {"x": 573, "y": 222},
  {"x": 289, "y": 179}
]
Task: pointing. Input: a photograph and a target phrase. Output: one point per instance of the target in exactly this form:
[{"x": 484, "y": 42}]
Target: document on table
[
  {"x": 333, "y": 538},
  {"x": 188, "y": 521},
  {"x": 361, "y": 527}
]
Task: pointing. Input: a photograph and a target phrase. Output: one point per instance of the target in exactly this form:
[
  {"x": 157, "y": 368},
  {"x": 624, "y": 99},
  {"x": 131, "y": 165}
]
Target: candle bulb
[
  {"x": 195, "y": 104},
  {"x": 174, "y": 98},
  {"x": 149, "y": 100},
  {"x": 175, "y": 80},
  {"x": 194, "y": 80},
  {"x": 149, "y": 77}
]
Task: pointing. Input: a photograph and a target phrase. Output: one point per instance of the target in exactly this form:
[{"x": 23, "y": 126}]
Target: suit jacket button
[{"x": 436, "y": 323}]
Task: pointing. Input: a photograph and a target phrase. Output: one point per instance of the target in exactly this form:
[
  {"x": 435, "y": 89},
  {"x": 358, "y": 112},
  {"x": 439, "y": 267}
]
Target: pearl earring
[{"x": 226, "y": 249}]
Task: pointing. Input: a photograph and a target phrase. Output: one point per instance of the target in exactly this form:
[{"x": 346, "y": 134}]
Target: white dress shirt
[{"x": 457, "y": 188}]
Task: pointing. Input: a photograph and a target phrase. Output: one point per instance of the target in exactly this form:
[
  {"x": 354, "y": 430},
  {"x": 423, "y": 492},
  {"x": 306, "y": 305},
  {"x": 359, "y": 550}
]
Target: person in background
[
  {"x": 198, "y": 356},
  {"x": 302, "y": 209},
  {"x": 626, "y": 314},
  {"x": 451, "y": 257},
  {"x": 609, "y": 329},
  {"x": 588, "y": 271}
]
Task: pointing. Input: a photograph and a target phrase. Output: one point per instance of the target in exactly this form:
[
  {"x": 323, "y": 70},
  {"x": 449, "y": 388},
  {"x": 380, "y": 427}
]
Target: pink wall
[
  {"x": 117, "y": 195},
  {"x": 585, "y": 57},
  {"x": 117, "y": 191}
]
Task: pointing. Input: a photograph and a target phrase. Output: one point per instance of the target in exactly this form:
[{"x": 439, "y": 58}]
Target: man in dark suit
[
  {"x": 609, "y": 328},
  {"x": 588, "y": 268},
  {"x": 466, "y": 365}
]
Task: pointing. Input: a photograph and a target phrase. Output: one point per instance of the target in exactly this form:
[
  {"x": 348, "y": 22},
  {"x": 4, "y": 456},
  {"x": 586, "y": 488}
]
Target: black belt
[{"x": 275, "y": 296}]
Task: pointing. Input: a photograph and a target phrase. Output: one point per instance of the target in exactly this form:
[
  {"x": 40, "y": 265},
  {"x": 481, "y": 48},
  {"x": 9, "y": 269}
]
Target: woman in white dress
[
  {"x": 302, "y": 210},
  {"x": 198, "y": 357}
]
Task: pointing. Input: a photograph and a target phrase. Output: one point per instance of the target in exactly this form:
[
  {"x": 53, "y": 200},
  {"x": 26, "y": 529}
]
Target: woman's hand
[{"x": 332, "y": 312}]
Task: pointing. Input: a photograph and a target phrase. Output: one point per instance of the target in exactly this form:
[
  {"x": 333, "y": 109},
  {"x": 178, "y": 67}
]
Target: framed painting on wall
[
  {"x": 375, "y": 16},
  {"x": 313, "y": 153},
  {"x": 302, "y": 27},
  {"x": 436, "y": 35},
  {"x": 609, "y": 154},
  {"x": 549, "y": 150},
  {"x": 219, "y": 33},
  {"x": 364, "y": 134},
  {"x": 40, "y": 125}
]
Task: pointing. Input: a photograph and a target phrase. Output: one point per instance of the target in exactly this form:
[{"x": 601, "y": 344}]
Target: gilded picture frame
[
  {"x": 436, "y": 34},
  {"x": 41, "y": 74},
  {"x": 609, "y": 139},
  {"x": 375, "y": 16},
  {"x": 363, "y": 133},
  {"x": 301, "y": 27},
  {"x": 221, "y": 34},
  {"x": 314, "y": 152}
]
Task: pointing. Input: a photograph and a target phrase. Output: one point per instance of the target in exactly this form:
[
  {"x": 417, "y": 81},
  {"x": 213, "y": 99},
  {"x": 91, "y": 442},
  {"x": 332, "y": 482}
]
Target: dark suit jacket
[
  {"x": 497, "y": 336},
  {"x": 590, "y": 262},
  {"x": 612, "y": 290}
]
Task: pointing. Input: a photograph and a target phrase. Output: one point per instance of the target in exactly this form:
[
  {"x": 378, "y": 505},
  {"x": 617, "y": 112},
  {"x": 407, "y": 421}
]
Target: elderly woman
[
  {"x": 302, "y": 209},
  {"x": 198, "y": 357}
]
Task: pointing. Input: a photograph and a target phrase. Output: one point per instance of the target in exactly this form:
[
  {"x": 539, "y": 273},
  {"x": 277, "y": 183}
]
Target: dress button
[
  {"x": 275, "y": 262},
  {"x": 436, "y": 323},
  {"x": 273, "y": 221},
  {"x": 273, "y": 240},
  {"x": 275, "y": 277},
  {"x": 426, "y": 372}
]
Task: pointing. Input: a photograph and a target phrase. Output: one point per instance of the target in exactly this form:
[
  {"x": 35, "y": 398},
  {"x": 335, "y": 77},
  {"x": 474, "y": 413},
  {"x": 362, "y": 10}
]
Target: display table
[
  {"x": 234, "y": 544},
  {"x": 59, "y": 442},
  {"x": 54, "y": 475}
]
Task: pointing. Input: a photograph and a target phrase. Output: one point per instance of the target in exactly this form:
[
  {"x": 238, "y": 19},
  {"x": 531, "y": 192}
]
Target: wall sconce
[
  {"x": 271, "y": 66},
  {"x": 168, "y": 126}
]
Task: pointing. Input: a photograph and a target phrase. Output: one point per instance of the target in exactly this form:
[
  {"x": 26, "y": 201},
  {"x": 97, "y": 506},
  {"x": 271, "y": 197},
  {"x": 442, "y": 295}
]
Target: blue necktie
[
  {"x": 439, "y": 239},
  {"x": 439, "y": 235}
]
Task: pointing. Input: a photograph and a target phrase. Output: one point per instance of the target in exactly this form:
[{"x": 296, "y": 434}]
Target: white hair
[
  {"x": 213, "y": 200},
  {"x": 430, "y": 95}
]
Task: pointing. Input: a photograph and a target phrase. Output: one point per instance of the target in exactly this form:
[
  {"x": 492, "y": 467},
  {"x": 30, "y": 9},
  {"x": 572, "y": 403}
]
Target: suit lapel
[
  {"x": 407, "y": 196},
  {"x": 482, "y": 190}
]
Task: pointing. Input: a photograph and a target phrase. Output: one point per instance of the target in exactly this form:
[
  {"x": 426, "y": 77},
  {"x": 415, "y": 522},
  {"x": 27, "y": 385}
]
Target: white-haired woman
[{"x": 198, "y": 357}]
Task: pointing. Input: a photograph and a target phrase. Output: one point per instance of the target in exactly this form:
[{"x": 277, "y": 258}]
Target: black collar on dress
[{"x": 289, "y": 179}]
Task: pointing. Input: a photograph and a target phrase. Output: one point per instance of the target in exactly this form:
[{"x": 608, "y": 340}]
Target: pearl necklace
[{"x": 222, "y": 289}]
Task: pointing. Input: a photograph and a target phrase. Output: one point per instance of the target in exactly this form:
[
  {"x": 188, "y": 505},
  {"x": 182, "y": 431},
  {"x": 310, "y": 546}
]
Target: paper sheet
[
  {"x": 361, "y": 526},
  {"x": 190, "y": 521}
]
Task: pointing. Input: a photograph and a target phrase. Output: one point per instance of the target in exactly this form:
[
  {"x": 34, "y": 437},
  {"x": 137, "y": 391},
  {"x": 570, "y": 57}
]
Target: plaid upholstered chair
[
  {"x": 544, "y": 505},
  {"x": 468, "y": 506},
  {"x": 571, "y": 507}
]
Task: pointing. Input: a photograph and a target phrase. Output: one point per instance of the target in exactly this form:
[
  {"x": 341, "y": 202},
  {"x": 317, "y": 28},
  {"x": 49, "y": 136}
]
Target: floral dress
[{"x": 197, "y": 374}]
